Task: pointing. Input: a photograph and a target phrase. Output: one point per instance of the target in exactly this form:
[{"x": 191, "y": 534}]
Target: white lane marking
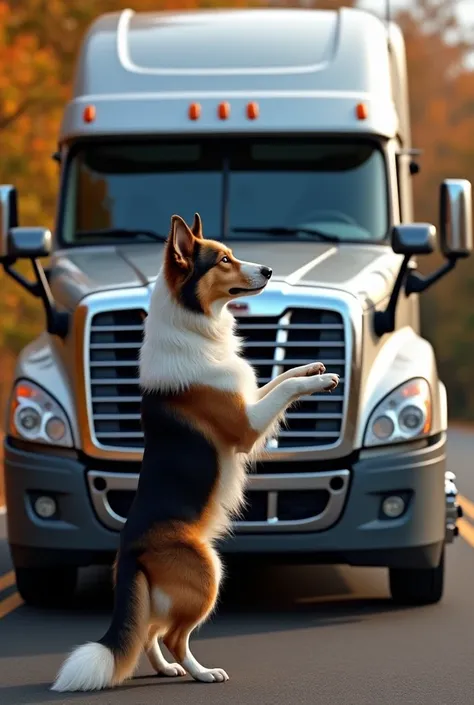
[{"x": 299, "y": 273}]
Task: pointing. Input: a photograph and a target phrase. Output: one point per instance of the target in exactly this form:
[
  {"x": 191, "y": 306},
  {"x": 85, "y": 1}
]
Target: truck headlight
[
  {"x": 404, "y": 414},
  {"x": 36, "y": 416}
]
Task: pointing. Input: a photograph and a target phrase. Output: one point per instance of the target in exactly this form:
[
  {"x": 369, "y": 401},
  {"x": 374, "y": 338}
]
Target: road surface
[{"x": 289, "y": 636}]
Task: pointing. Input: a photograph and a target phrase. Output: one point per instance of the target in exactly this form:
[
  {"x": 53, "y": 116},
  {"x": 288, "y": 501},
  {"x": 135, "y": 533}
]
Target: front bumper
[{"x": 355, "y": 532}]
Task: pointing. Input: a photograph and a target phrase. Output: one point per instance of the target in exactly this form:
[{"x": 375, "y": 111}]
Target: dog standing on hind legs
[{"x": 203, "y": 416}]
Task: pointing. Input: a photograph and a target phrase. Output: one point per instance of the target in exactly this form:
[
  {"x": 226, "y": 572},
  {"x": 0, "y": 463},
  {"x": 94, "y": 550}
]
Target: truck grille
[{"x": 272, "y": 344}]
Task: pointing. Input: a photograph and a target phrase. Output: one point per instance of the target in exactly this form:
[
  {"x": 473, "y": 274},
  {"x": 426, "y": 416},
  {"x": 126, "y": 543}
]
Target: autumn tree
[{"x": 39, "y": 41}]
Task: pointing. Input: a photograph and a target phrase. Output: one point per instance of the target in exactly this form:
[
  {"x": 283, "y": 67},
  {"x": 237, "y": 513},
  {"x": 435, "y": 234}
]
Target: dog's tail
[{"x": 113, "y": 658}]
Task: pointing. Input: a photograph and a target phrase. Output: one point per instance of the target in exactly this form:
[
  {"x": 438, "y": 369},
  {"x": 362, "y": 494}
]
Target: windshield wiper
[
  {"x": 122, "y": 232},
  {"x": 289, "y": 231}
]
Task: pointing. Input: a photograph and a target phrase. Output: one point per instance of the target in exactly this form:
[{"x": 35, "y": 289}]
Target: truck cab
[{"x": 289, "y": 132}]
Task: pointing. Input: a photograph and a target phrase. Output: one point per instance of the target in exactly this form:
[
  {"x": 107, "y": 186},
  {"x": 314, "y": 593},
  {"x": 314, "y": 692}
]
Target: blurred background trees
[{"x": 39, "y": 40}]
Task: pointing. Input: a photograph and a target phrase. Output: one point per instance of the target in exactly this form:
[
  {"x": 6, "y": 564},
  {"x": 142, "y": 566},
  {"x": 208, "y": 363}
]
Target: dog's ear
[
  {"x": 181, "y": 243},
  {"x": 197, "y": 226}
]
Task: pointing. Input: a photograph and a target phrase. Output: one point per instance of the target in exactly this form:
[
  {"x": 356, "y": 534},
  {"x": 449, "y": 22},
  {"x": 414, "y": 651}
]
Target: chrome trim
[
  {"x": 453, "y": 511},
  {"x": 98, "y": 303},
  {"x": 276, "y": 299},
  {"x": 272, "y": 507},
  {"x": 271, "y": 484}
]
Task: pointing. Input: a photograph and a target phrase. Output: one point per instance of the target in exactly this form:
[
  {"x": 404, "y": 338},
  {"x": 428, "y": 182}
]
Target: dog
[{"x": 203, "y": 418}]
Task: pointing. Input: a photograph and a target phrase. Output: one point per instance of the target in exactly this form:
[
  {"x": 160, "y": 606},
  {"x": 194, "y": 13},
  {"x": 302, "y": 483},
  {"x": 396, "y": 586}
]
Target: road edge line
[
  {"x": 9, "y": 604},
  {"x": 467, "y": 506},
  {"x": 466, "y": 530},
  {"x": 7, "y": 580}
]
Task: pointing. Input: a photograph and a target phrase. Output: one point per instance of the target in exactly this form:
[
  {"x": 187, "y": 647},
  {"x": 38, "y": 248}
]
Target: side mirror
[
  {"x": 8, "y": 216},
  {"x": 414, "y": 239},
  {"x": 456, "y": 218},
  {"x": 15, "y": 242},
  {"x": 28, "y": 243}
]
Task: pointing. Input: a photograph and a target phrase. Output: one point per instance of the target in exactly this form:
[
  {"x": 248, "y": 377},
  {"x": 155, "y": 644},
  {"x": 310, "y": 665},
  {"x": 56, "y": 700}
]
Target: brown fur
[
  {"x": 180, "y": 563},
  {"x": 220, "y": 415},
  {"x": 180, "y": 261},
  {"x": 217, "y": 282}
]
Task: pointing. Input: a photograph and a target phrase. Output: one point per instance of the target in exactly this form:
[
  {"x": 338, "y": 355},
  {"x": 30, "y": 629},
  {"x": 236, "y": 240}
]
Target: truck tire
[
  {"x": 412, "y": 586},
  {"x": 46, "y": 587}
]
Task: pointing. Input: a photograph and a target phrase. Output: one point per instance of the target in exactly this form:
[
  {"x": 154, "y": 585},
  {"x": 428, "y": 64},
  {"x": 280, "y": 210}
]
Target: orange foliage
[{"x": 39, "y": 40}]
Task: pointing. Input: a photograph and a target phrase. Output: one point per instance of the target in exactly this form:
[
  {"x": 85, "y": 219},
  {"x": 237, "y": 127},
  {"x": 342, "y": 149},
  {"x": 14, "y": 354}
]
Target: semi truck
[{"x": 288, "y": 130}]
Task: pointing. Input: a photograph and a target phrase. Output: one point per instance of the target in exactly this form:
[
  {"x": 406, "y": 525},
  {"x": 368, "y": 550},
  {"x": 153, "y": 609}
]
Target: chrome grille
[
  {"x": 115, "y": 339},
  {"x": 272, "y": 344}
]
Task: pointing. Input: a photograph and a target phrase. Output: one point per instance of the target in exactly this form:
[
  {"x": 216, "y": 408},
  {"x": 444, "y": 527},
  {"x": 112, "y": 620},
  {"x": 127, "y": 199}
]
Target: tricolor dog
[{"x": 203, "y": 416}]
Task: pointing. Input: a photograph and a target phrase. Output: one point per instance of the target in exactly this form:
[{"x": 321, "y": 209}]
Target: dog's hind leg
[
  {"x": 156, "y": 658},
  {"x": 185, "y": 573},
  {"x": 177, "y": 642}
]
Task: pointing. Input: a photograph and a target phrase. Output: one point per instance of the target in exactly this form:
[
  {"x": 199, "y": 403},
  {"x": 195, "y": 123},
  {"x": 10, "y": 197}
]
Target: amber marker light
[
  {"x": 194, "y": 111},
  {"x": 89, "y": 113},
  {"x": 362, "y": 111},
  {"x": 223, "y": 110},
  {"x": 253, "y": 110}
]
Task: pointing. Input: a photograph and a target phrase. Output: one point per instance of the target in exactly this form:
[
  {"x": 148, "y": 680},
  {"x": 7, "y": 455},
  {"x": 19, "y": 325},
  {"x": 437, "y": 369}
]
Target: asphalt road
[{"x": 292, "y": 636}]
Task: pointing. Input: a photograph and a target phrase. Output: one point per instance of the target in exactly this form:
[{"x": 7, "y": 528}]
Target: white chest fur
[{"x": 181, "y": 349}]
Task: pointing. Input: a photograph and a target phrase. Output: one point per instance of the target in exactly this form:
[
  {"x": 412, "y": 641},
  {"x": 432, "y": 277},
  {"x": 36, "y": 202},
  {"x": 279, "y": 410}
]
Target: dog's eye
[{"x": 225, "y": 259}]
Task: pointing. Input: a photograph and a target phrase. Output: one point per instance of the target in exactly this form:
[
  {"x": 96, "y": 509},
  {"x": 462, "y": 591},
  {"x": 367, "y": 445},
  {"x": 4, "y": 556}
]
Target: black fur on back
[{"x": 179, "y": 470}]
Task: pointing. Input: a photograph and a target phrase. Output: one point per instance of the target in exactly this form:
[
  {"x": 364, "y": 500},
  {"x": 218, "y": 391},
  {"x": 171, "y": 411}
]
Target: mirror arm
[
  {"x": 57, "y": 322},
  {"x": 416, "y": 283},
  {"x": 32, "y": 288},
  {"x": 384, "y": 321}
]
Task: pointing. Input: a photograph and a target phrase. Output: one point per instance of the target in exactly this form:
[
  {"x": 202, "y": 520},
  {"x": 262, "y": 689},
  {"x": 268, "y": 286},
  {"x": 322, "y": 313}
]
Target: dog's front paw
[
  {"x": 315, "y": 368},
  {"x": 311, "y": 370},
  {"x": 330, "y": 382},
  {"x": 319, "y": 383}
]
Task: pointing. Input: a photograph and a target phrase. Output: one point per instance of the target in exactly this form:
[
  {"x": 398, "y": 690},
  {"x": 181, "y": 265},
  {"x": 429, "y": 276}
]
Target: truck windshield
[{"x": 272, "y": 188}]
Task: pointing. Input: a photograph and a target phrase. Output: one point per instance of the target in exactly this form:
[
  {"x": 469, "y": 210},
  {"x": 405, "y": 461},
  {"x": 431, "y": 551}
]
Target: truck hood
[{"x": 365, "y": 271}]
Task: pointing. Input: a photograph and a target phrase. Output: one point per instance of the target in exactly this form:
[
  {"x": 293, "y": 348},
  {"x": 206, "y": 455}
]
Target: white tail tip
[{"x": 89, "y": 667}]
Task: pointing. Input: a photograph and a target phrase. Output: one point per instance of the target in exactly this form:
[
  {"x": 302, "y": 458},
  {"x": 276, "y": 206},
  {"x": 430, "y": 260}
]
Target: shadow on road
[{"x": 256, "y": 600}]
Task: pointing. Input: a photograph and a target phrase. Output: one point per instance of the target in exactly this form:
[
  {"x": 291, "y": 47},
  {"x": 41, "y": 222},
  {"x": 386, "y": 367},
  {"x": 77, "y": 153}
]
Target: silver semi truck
[{"x": 289, "y": 132}]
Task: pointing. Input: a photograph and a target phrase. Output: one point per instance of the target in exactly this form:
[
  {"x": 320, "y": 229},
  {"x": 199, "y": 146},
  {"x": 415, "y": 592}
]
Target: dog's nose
[{"x": 266, "y": 271}]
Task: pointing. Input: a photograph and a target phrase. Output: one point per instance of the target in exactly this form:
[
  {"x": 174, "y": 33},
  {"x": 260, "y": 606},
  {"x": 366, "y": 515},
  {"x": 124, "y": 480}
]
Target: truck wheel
[
  {"x": 411, "y": 586},
  {"x": 46, "y": 587}
]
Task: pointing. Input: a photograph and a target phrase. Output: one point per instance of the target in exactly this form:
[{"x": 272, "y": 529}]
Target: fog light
[
  {"x": 55, "y": 428},
  {"x": 383, "y": 427},
  {"x": 45, "y": 507},
  {"x": 393, "y": 506}
]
